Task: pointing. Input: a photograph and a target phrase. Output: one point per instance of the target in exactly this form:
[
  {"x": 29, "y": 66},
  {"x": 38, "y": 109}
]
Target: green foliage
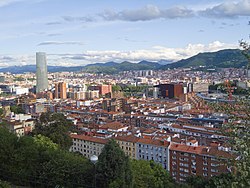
[
  {"x": 5, "y": 94},
  {"x": 56, "y": 127},
  {"x": 4, "y": 184},
  {"x": 31, "y": 79},
  {"x": 17, "y": 109},
  {"x": 36, "y": 162},
  {"x": 147, "y": 174},
  {"x": 238, "y": 131},
  {"x": 131, "y": 90},
  {"x": 113, "y": 167},
  {"x": 19, "y": 78},
  {"x": 246, "y": 50},
  {"x": 1, "y": 112},
  {"x": 223, "y": 59},
  {"x": 196, "y": 182},
  {"x": 221, "y": 181},
  {"x": 44, "y": 142},
  {"x": 114, "y": 68},
  {"x": 116, "y": 88}
]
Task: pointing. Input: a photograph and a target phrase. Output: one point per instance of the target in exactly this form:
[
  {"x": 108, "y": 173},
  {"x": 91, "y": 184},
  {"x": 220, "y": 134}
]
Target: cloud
[
  {"x": 5, "y": 60},
  {"x": 54, "y": 23},
  {"x": 60, "y": 43},
  {"x": 228, "y": 10},
  {"x": 7, "y": 2},
  {"x": 9, "y": 60},
  {"x": 155, "y": 54},
  {"x": 53, "y": 34},
  {"x": 149, "y": 12},
  {"x": 78, "y": 18}
]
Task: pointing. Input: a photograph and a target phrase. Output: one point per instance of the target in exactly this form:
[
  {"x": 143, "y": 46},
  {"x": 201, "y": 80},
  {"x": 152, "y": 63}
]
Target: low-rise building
[
  {"x": 87, "y": 145},
  {"x": 153, "y": 149},
  {"x": 128, "y": 145}
]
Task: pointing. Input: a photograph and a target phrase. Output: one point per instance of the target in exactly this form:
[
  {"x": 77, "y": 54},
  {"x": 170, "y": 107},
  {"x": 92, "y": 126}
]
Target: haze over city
[{"x": 83, "y": 32}]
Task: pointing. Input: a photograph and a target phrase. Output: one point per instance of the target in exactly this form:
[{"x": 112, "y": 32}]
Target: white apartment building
[{"x": 87, "y": 145}]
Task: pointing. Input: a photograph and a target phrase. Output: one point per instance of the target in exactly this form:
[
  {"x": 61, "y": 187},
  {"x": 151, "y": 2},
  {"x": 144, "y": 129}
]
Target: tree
[
  {"x": 4, "y": 184},
  {"x": 1, "y": 112},
  {"x": 196, "y": 182},
  {"x": 222, "y": 181},
  {"x": 17, "y": 109},
  {"x": 8, "y": 143},
  {"x": 116, "y": 88},
  {"x": 38, "y": 162},
  {"x": 238, "y": 131},
  {"x": 56, "y": 127},
  {"x": 147, "y": 174},
  {"x": 113, "y": 167},
  {"x": 246, "y": 49}
]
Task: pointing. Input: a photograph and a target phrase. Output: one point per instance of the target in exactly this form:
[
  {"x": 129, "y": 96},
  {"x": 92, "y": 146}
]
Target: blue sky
[{"x": 79, "y": 32}]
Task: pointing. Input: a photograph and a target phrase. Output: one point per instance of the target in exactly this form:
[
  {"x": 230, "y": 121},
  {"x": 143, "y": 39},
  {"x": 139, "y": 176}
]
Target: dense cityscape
[
  {"x": 122, "y": 109},
  {"x": 160, "y": 116}
]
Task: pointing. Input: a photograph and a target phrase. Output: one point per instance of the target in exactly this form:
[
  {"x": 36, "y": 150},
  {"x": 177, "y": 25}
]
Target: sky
[{"x": 80, "y": 32}]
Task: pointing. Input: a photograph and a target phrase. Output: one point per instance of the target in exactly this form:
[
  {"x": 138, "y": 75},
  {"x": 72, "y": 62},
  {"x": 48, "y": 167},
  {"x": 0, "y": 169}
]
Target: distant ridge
[
  {"x": 221, "y": 59},
  {"x": 32, "y": 68}
]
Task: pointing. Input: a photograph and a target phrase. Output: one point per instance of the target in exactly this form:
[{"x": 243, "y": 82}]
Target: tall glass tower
[{"x": 41, "y": 72}]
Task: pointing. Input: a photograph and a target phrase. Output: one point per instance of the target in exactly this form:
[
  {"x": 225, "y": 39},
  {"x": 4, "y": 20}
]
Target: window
[
  {"x": 186, "y": 170},
  {"x": 214, "y": 170},
  {"x": 213, "y": 164},
  {"x": 204, "y": 157},
  {"x": 213, "y": 159},
  {"x": 183, "y": 164}
]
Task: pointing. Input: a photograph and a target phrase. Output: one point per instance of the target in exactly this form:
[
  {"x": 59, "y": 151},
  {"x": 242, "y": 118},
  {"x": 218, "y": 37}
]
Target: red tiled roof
[
  {"x": 154, "y": 142},
  {"x": 185, "y": 148},
  {"x": 89, "y": 138},
  {"x": 129, "y": 138}
]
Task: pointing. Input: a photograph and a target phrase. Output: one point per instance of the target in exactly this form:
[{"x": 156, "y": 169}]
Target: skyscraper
[{"x": 41, "y": 72}]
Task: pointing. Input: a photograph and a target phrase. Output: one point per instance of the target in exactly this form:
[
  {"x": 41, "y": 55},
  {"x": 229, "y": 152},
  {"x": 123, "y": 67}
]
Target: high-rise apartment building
[
  {"x": 61, "y": 90},
  {"x": 41, "y": 72}
]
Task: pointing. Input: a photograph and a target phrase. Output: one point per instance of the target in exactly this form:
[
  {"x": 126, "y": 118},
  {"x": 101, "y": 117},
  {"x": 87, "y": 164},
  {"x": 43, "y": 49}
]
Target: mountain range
[{"x": 221, "y": 59}]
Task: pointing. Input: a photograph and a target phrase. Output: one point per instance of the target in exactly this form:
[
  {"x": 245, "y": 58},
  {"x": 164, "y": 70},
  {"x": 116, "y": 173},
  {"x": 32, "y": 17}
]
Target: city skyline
[{"x": 85, "y": 32}]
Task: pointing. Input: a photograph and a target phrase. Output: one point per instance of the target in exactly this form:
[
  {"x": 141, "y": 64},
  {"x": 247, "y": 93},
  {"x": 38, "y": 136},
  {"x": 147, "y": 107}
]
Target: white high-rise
[{"x": 41, "y": 72}]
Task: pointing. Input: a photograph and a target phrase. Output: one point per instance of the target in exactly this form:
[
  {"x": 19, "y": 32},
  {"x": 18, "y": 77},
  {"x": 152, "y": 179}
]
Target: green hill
[
  {"x": 124, "y": 66},
  {"x": 221, "y": 59}
]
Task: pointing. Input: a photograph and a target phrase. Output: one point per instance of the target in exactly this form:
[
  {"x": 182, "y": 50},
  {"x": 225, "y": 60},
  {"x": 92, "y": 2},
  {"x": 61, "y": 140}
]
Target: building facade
[
  {"x": 190, "y": 159},
  {"x": 60, "y": 90},
  {"x": 41, "y": 72},
  {"x": 152, "y": 149},
  {"x": 172, "y": 90},
  {"x": 87, "y": 145},
  {"x": 128, "y": 145}
]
